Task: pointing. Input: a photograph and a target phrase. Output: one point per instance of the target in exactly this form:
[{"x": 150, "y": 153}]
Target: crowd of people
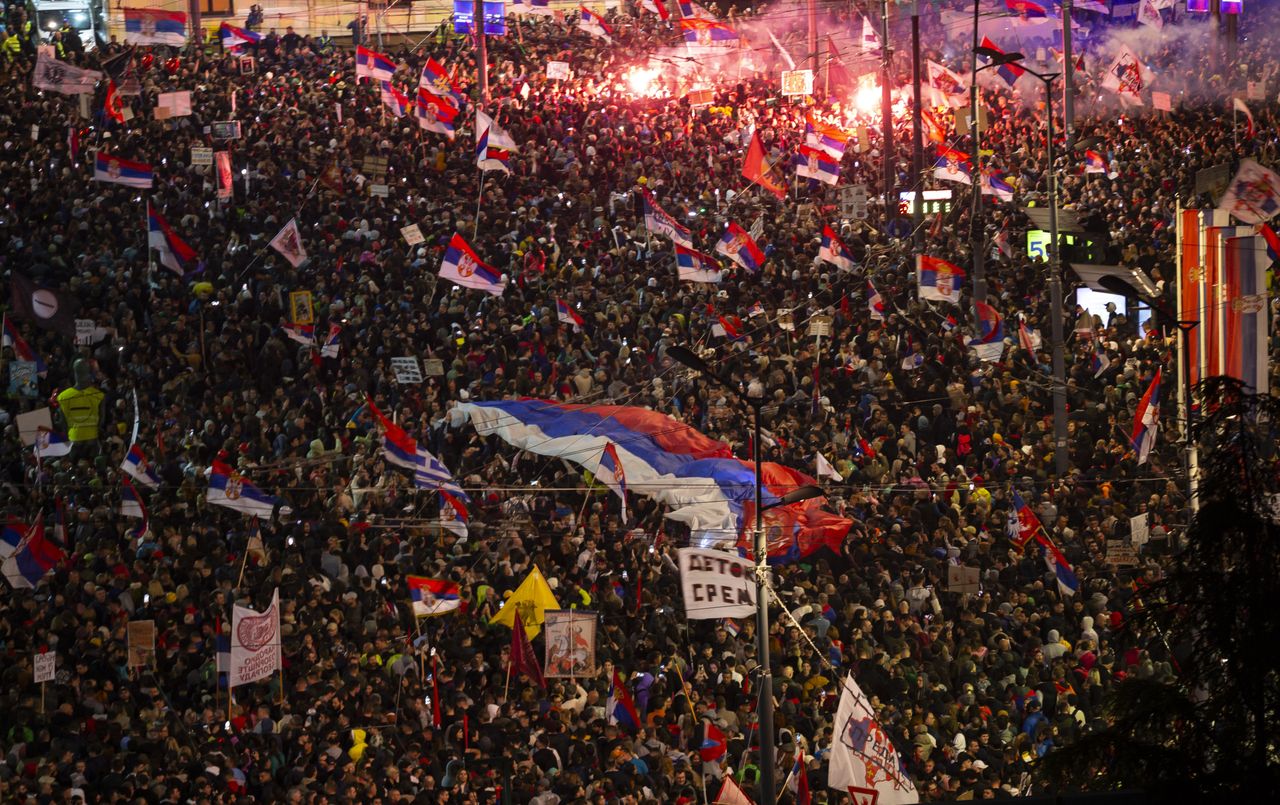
[{"x": 373, "y": 705}]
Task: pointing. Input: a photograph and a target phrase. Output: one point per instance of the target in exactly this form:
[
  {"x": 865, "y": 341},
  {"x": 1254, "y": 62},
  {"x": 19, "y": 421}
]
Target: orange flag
[{"x": 757, "y": 170}]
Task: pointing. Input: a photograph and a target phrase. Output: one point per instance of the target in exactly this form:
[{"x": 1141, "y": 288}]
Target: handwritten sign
[
  {"x": 796, "y": 83},
  {"x": 201, "y": 156},
  {"x": 46, "y": 667},
  {"x": 558, "y": 70},
  {"x": 412, "y": 235}
]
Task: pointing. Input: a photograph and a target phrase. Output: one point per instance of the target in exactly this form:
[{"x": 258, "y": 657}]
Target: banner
[
  {"x": 571, "y": 643},
  {"x": 863, "y": 760},
  {"x": 223, "y": 160},
  {"x": 46, "y": 667},
  {"x": 142, "y": 643},
  {"x": 52, "y": 75},
  {"x": 255, "y": 643},
  {"x": 716, "y": 584}
]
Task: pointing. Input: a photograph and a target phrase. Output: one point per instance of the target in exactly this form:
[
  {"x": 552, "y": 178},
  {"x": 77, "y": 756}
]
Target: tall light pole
[
  {"x": 1061, "y": 455},
  {"x": 768, "y": 763}
]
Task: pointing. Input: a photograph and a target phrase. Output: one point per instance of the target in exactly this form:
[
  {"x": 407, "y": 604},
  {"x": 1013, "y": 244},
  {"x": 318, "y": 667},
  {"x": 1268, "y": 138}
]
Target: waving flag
[
  {"x": 592, "y": 23},
  {"x": 1009, "y": 72},
  {"x": 825, "y": 138},
  {"x": 462, "y": 266},
  {"x": 863, "y": 759},
  {"x": 436, "y": 80},
  {"x": 1026, "y": 8},
  {"x": 870, "y": 37},
  {"x": 938, "y": 279},
  {"x": 1146, "y": 421},
  {"x": 491, "y": 157},
  {"x": 620, "y": 708},
  {"x": 1149, "y": 14},
  {"x": 1268, "y": 235},
  {"x": 565, "y": 314},
  {"x": 952, "y": 166},
  {"x": 756, "y": 169},
  {"x": 393, "y": 99},
  {"x": 331, "y": 345},
  {"x": 1240, "y": 106},
  {"x": 660, "y": 222},
  {"x": 373, "y": 65},
  {"x": 658, "y": 7},
  {"x": 1099, "y": 362},
  {"x": 738, "y": 246},
  {"x": 430, "y": 597},
  {"x": 1127, "y": 76},
  {"x": 813, "y": 163},
  {"x": 432, "y": 474},
  {"x": 521, "y": 659},
  {"x": 990, "y": 324},
  {"x": 707, "y": 32},
  {"x": 398, "y": 448},
  {"x": 113, "y": 169},
  {"x": 933, "y": 129},
  {"x": 834, "y": 251},
  {"x": 435, "y": 114},
  {"x": 21, "y": 349},
  {"x": 713, "y": 746},
  {"x": 55, "y": 75},
  {"x": 1068, "y": 583},
  {"x": 1253, "y": 195},
  {"x": 730, "y": 328},
  {"x": 233, "y": 37},
  {"x": 304, "y": 334},
  {"x": 33, "y": 559},
  {"x": 824, "y": 469},
  {"x": 1027, "y": 338},
  {"x": 131, "y": 502},
  {"x": 52, "y": 444},
  {"x": 136, "y": 466},
  {"x": 691, "y": 10},
  {"x": 1094, "y": 162},
  {"x": 694, "y": 266},
  {"x": 875, "y": 303},
  {"x": 498, "y": 137},
  {"x": 946, "y": 88},
  {"x": 1025, "y": 526},
  {"x": 798, "y": 780},
  {"x": 994, "y": 185},
  {"x": 231, "y": 489},
  {"x": 151, "y": 26},
  {"x": 612, "y": 475},
  {"x": 11, "y": 536},
  {"x": 175, "y": 254},
  {"x": 288, "y": 242}
]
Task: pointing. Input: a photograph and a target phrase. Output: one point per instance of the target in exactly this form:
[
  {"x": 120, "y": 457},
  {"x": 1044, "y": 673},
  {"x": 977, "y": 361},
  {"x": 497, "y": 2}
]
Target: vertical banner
[
  {"x": 864, "y": 762},
  {"x": 1246, "y": 311},
  {"x": 223, "y": 160},
  {"x": 571, "y": 643},
  {"x": 716, "y": 584},
  {"x": 255, "y": 643},
  {"x": 142, "y": 643}
]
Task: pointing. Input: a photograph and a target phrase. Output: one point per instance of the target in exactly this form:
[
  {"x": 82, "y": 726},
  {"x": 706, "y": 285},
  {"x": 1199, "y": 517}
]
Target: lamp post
[{"x": 768, "y": 777}]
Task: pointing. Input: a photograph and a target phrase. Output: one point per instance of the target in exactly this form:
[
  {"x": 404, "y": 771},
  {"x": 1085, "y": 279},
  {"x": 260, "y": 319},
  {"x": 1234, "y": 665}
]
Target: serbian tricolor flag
[
  {"x": 933, "y": 129},
  {"x": 393, "y": 99},
  {"x": 813, "y": 163},
  {"x": 875, "y": 303},
  {"x": 834, "y": 251},
  {"x": 436, "y": 80},
  {"x": 1146, "y": 421},
  {"x": 175, "y": 254},
  {"x": 398, "y": 447},
  {"x": 612, "y": 475},
  {"x": 1094, "y": 162},
  {"x": 435, "y": 114},
  {"x": 1026, "y": 338},
  {"x": 698, "y": 31},
  {"x": 373, "y": 65},
  {"x": 620, "y": 708},
  {"x": 825, "y": 138},
  {"x": 592, "y": 23},
  {"x": 798, "y": 781},
  {"x": 233, "y": 37},
  {"x": 756, "y": 169},
  {"x": 21, "y": 349},
  {"x": 1068, "y": 582},
  {"x": 1272, "y": 240},
  {"x": 462, "y": 266},
  {"x": 658, "y": 7},
  {"x": 231, "y": 489},
  {"x": 729, "y": 327},
  {"x": 113, "y": 169},
  {"x": 565, "y": 314},
  {"x": 694, "y": 266},
  {"x": 430, "y": 597},
  {"x": 1026, "y": 8},
  {"x": 302, "y": 333},
  {"x": 738, "y": 246},
  {"x": 131, "y": 503},
  {"x": 153, "y": 26},
  {"x": 137, "y": 467},
  {"x": 1009, "y": 72},
  {"x": 937, "y": 279},
  {"x": 1241, "y": 107}
]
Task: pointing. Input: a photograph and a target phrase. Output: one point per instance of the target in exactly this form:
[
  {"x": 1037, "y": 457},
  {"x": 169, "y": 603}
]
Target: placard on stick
[
  {"x": 46, "y": 667},
  {"x": 142, "y": 643}
]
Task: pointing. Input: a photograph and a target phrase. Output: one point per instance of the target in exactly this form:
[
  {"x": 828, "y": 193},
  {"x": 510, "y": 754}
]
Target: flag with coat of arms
[{"x": 462, "y": 266}]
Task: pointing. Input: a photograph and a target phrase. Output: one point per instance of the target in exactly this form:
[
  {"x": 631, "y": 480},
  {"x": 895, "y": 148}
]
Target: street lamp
[{"x": 690, "y": 359}]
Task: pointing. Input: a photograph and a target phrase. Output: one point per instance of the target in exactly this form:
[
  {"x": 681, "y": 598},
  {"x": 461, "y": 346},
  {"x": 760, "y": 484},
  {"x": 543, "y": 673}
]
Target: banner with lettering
[
  {"x": 255, "y": 643},
  {"x": 716, "y": 584}
]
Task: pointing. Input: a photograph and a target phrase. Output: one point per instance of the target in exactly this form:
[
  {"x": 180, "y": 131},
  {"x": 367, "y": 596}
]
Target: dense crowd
[{"x": 374, "y": 706}]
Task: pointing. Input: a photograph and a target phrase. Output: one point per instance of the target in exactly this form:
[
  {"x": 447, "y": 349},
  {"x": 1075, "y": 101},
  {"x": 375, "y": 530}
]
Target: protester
[{"x": 932, "y": 444}]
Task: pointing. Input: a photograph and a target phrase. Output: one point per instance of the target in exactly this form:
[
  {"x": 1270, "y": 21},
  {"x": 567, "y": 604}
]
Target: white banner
[
  {"x": 255, "y": 643},
  {"x": 52, "y": 75},
  {"x": 716, "y": 584},
  {"x": 863, "y": 761},
  {"x": 46, "y": 667}
]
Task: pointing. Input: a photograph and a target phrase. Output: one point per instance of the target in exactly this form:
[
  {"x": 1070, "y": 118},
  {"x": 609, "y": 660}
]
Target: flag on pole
[
  {"x": 660, "y": 222},
  {"x": 612, "y": 474},
  {"x": 429, "y": 597},
  {"x": 937, "y": 279},
  {"x": 756, "y": 168},
  {"x": 1068, "y": 582},
  {"x": 834, "y": 251},
  {"x": 620, "y": 708},
  {"x": 153, "y": 26},
  {"x": 523, "y": 660},
  {"x": 825, "y": 470},
  {"x": 1009, "y": 72},
  {"x": 530, "y": 601},
  {"x": 462, "y": 266},
  {"x": 1146, "y": 420},
  {"x": 437, "y": 80},
  {"x": 1094, "y": 162},
  {"x": 21, "y": 349},
  {"x": 1253, "y": 195},
  {"x": 393, "y": 99},
  {"x": 592, "y": 23},
  {"x": 1240, "y": 106},
  {"x": 304, "y": 334},
  {"x": 233, "y": 37},
  {"x": 863, "y": 760},
  {"x": 11, "y": 535},
  {"x": 51, "y": 444},
  {"x": 53, "y": 75},
  {"x": 694, "y": 266},
  {"x": 658, "y": 7},
  {"x": 737, "y": 245},
  {"x": 175, "y": 254},
  {"x": 829, "y": 139},
  {"x": 34, "y": 558},
  {"x": 1024, "y": 526},
  {"x": 136, "y": 466},
  {"x": 113, "y": 169},
  {"x": 231, "y": 489},
  {"x": 813, "y": 163},
  {"x": 875, "y": 303},
  {"x": 255, "y": 643},
  {"x": 373, "y": 65},
  {"x": 565, "y": 314},
  {"x": 435, "y": 114},
  {"x": 288, "y": 242},
  {"x": 798, "y": 780},
  {"x": 713, "y": 745},
  {"x": 1127, "y": 76}
]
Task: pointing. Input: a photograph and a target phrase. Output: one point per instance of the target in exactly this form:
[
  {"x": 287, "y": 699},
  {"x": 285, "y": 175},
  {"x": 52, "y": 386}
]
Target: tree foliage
[{"x": 1214, "y": 730}]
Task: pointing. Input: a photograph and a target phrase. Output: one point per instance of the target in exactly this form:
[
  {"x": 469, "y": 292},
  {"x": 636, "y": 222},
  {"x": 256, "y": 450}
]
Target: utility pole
[
  {"x": 977, "y": 232},
  {"x": 1068, "y": 75},
  {"x": 197, "y": 28},
  {"x": 917, "y": 135},
  {"x": 814, "y": 64},
  {"x": 1060, "y": 454},
  {"x": 482, "y": 51},
  {"x": 886, "y": 100}
]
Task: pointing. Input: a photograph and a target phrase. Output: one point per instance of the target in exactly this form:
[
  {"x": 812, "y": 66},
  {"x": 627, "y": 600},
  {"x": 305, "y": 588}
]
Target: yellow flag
[{"x": 531, "y": 599}]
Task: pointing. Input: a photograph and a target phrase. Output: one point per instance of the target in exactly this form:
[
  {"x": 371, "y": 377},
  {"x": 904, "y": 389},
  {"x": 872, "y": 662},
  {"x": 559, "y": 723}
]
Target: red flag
[
  {"x": 523, "y": 660},
  {"x": 113, "y": 105},
  {"x": 757, "y": 170},
  {"x": 435, "y": 694}
]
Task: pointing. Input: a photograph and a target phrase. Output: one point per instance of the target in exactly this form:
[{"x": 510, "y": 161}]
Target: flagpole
[
  {"x": 684, "y": 690},
  {"x": 475, "y": 231}
]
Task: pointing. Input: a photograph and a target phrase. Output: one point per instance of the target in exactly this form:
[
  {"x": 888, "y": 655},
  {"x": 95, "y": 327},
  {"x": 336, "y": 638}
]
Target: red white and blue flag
[
  {"x": 393, "y": 99},
  {"x": 592, "y": 23},
  {"x": 51, "y": 444},
  {"x": 34, "y": 558},
  {"x": 333, "y": 343},
  {"x": 1026, "y": 8},
  {"x": 131, "y": 502},
  {"x": 713, "y": 746},
  {"x": 814, "y": 163},
  {"x": 398, "y": 448},
  {"x": 151, "y": 26},
  {"x": 694, "y": 266},
  {"x": 233, "y": 37},
  {"x": 536, "y": 7},
  {"x": 1245, "y": 312},
  {"x": 436, "y": 80},
  {"x": 612, "y": 475},
  {"x": 432, "y": 596},
  {"x": 11, "y": 535},
  {"x": 698, "y": 31},
  {"x": 565, "y": 314},
  {"x": 373, "y": 65},
  {"x": 462, "y": 266},
  {"x": 136, "y": 466},
  {"x": 1009, "y": 72},
  {"x": 990, "y": 324},
  {"x": 234, "y": 491},
  {"x": 660, "y": 222},
  {"x": 737, "y": 245},
  {"x": 995, "y": 185},
  {"x": 304, "y": 334},
  {"x": 490, "y": 156},
  {"x": 113, "y": 169},
  {"x": 1146, "y": 420},
  {"x": 834, "y": 251},
  {"x": 825, "y": 138},
  {"x": 1094, "y": 162},
  {"x": 436, "y": 114},
  {"x": 937, "y": 279},
  {"x": 875, "y": 303},
  {"x": 952, "y": 166},
  {"x": 798, "y": 781},
  {"x": 1068, "y": 582},
  {"x": 729, "y": 327},
  {"x": 21, "y": 349},
  {"x": 620, "y": 708},
  {"x": 175, "y": 254},
  {"x": 658, "y": 7}
]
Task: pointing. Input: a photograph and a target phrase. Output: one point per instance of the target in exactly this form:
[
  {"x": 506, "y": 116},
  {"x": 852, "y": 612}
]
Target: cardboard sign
[
  {"x": 558, "y": 70},
  {"x": 247, "y": 65},
  {"x": 797, "y": 83},
  {"x": 1139, "y": 530},
  {"x": 178, "y": 104},
  {"x": 433, "y": 367},
  {"x": 406, "y": 370},
  {"x": 716, "y": 584},
  {"x": 1161, "y": 101},
  {"x": 301, "y": 307},
  {"x": 380, "y": 190},
  {"x": 853, "y": 202},
  {"x": 46, "y": 667},
  {"x": 142, "y": 643},
  {"x": 85, "y": 331},
  {"x": 31, "y": 423},
  {"x": 412, "y": 235},
  {"x": 963, "y": 580},
  {"x": 701, "y": 97},
  {"x": 1121, "y": 554},
  {"x": 201, "y": 156}
]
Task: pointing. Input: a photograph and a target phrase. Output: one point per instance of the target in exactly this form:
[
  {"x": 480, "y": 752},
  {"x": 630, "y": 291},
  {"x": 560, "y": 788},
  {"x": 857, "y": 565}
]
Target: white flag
[
  {"x": 870, "y": 39},
  {"x": 1253, "y": 195},
  {"x": 289, "y": 243},
  {"x": 1149, "y": 14},
  {"x": 58, "y": 76},
  {"x": 498, "y": 137},
  {"x": 825, "y": 470},
  {"x": 863, "y": 760},
  {"x": 255, "y": 643},
  {"x": 1127, "y": 77}
]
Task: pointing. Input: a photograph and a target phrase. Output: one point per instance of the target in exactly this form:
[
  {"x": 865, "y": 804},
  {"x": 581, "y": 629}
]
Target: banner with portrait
[{"x": 571, "y": 643}]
